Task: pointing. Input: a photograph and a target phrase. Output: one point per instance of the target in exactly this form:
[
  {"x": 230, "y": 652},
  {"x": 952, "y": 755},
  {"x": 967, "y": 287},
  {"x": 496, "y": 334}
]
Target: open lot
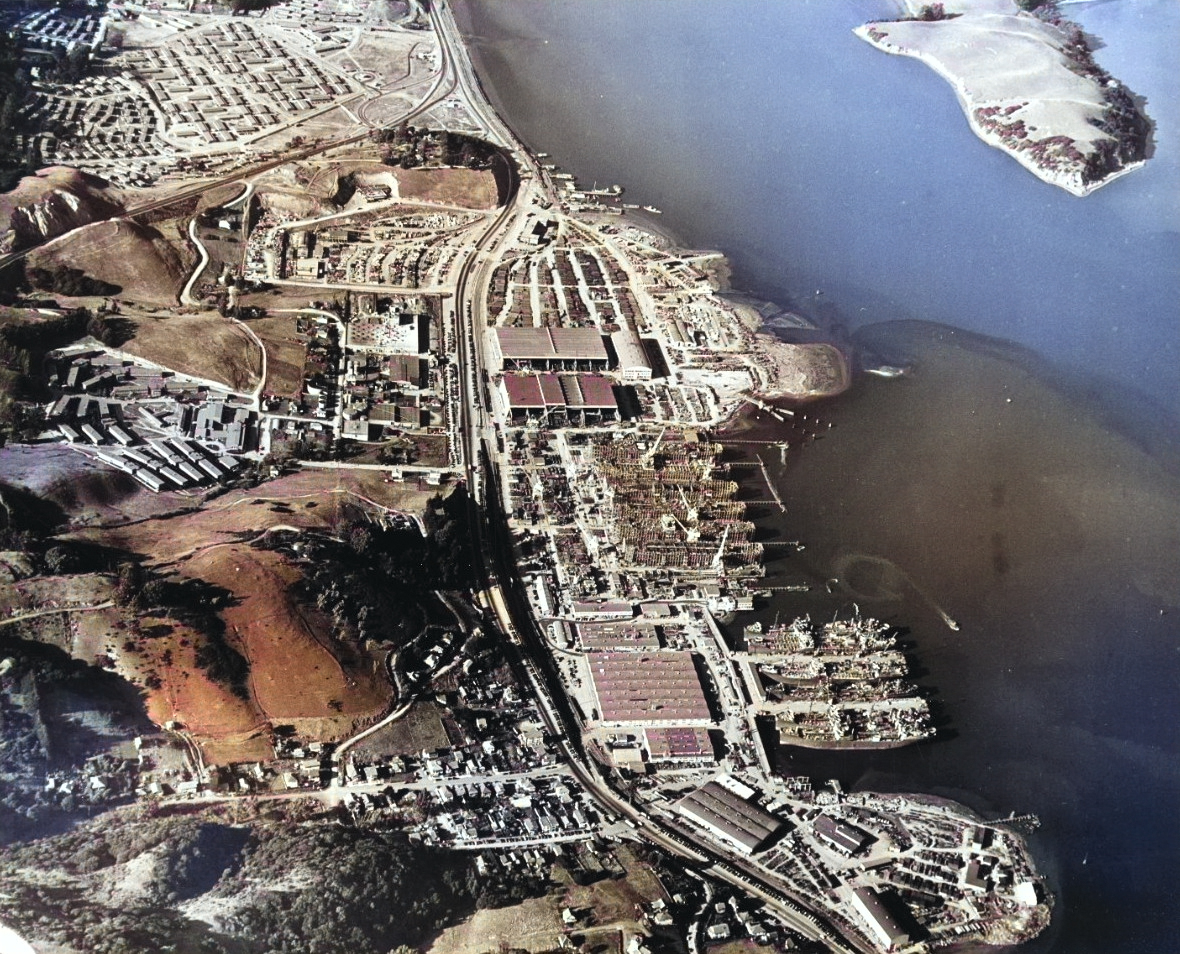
[
  {"x": 419, "y": 730},
  {"x": 286, "y": 350},
  {"x": 204, "y": 345},
  {"x": 224, "y": 726},
  {"x": 535, "y": 924},
  {"x": 299, "y": 674},
  {"x": 532, "y": 925},
  {"x": 307, "y": 499}
]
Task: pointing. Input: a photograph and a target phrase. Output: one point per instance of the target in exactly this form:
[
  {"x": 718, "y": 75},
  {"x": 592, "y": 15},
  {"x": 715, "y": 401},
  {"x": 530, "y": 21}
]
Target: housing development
[{"x": 390, "y": 323}]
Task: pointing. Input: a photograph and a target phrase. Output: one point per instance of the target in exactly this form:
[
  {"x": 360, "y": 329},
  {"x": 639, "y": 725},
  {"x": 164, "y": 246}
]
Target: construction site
[{"x": 632, "y": 515}]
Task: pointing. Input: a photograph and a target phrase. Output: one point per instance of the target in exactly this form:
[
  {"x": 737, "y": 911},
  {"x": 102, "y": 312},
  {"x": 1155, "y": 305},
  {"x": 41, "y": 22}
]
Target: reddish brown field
[
  {"x": 294, "y": 676},
  {"x": 225, "y": 727},
  {"x": 299, "y": 674}
]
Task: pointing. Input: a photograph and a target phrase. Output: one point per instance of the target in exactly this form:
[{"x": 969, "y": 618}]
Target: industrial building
[
  {"x": 840, "y": 836},
  {"x": 626, "y": 636},
  {"x": 550, "y": 349},
  {"x": 646, "y": 688},
  {"x": 737, "y": 820},
  {"x": 681, "y": 744},
  {"x": 882, "y": 924},
  {"x": 531, "y": 396},
  {"x": 631, "y": 359}
]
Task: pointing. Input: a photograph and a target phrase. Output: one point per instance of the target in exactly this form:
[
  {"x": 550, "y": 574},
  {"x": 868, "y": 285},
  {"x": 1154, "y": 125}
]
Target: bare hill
[
  {"x": 204, "y": 345},
  {"x": 52, "y": 202},
  {"x": 137, "y": 258}
]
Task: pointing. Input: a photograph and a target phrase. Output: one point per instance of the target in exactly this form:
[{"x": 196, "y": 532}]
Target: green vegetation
[
  {"x": 64, "y": 280},
  {"x": 56, "y": 66},
  {"x": 409, "y": 147},
  {"x": 14, "y": 84},
  {"x": 27, "y": 525},
  {"x": 198, "y": 605},
  {"x": 377, "y": 582}
]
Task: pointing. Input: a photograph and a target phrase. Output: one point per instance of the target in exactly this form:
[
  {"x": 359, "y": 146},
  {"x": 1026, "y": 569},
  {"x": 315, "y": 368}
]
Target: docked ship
[{"x": 837, "y": 685}]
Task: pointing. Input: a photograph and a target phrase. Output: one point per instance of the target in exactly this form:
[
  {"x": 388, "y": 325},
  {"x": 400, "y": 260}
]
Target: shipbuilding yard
[
  {"x": 839, "y": 684},
  {"x": 406, "y": 301}
]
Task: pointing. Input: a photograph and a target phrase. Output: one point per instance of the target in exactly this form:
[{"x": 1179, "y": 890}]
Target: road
[
  {"x": 448, "y": 79},
  {"x": 21, "y": 617}
]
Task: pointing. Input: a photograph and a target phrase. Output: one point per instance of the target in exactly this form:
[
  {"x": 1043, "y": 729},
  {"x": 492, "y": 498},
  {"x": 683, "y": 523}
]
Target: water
[{"x": 1048, "y": 525}]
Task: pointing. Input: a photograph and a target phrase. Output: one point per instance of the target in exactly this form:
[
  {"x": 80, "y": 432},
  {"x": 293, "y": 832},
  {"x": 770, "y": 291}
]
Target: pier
[{"x": 773, "y": 492}]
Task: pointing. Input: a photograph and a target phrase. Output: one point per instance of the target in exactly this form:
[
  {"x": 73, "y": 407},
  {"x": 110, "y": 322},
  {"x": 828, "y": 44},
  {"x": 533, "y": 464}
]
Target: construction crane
[
  {"x": 691, "y": 514},
  {"x": 649, "y": 455},
  {"x": 719, "y": 556}
]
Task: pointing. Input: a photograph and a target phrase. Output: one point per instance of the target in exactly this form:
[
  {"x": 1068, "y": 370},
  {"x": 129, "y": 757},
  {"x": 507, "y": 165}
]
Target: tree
[
  {"x": 61, "y": 560},
  {"x": 129, "y": 581}
]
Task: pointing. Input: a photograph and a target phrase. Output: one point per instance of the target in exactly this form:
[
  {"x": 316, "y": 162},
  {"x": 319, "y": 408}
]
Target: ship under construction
[{"x": 673, "y": 507}]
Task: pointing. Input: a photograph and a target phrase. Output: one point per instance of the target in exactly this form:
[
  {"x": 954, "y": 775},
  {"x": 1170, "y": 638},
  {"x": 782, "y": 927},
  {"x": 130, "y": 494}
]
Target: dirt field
[
  {"x": 225, "y": 727},
  {"x": 614, "y": 900},
  {"x": 429, "y": 450},
  {"x": 294, "y": 676},
  {"x": 285, "y": 354},
  {"x": 419, "y": 730},
  {"x": 535, "y": 924},
  {"x": 745, "y": 946},
  {"x": 532, "y": 925},
  {"x": 204, "y": 345},
  {"x": 467, "y": 188},
  {"x": 307, "y": 499},
  {"x": 140, "y": 260}
]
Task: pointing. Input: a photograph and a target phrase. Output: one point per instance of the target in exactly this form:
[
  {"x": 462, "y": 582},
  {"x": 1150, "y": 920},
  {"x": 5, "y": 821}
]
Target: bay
[{"x": 1023, "y": 477}]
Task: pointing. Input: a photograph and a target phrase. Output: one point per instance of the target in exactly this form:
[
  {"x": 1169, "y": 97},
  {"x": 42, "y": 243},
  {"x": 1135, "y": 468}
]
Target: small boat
[
  {"x": 652, "y": 209},
  {"x": 888, "y": 371}
]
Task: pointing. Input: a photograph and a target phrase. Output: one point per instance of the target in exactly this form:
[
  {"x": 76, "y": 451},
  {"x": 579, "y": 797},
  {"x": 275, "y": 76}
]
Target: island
[{"x": 1027, "y": 79}]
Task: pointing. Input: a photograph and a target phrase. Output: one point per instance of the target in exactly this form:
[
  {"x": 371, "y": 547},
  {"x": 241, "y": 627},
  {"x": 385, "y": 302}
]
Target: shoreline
[{"x": 1017, "y": 143}]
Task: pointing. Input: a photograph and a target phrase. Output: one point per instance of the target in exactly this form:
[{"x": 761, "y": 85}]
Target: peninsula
[{"x": 1027, "y": 80}]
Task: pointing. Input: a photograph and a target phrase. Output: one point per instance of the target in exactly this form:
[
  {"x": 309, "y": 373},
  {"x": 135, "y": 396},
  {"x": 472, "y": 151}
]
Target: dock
[{"x": 773, "y": 492}]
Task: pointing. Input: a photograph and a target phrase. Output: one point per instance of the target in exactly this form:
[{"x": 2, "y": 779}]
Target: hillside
[
  {"x": 53, "y": 202},
  {"x": 215, "y": 884},
  {"x": 204, "y": 345},
  {"x": 137, "y": 259}
]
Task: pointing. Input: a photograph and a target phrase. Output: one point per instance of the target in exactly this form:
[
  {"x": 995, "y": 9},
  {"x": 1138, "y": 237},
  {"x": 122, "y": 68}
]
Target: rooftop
[{"x": 648, "y": 687}]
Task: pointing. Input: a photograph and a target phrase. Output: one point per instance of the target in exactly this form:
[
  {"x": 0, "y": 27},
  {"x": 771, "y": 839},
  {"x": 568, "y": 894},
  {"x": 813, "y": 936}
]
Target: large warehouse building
[
  {"x": 648, "y": 688},
  {"x": 728, "y": 815},
  {"x": 535, "y": 396},
  {"x": 550, "y": 349}
]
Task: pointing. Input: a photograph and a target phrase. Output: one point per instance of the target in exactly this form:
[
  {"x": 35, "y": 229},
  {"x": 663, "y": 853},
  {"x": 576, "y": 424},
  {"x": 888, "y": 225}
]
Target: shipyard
[{"x": 457, "y": 552}]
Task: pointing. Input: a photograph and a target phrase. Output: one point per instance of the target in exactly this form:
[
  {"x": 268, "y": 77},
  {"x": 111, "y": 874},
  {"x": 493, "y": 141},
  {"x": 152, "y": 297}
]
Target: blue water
[
  {"x": 818, "y": 163},
  {"x": 846, "y": 184}
]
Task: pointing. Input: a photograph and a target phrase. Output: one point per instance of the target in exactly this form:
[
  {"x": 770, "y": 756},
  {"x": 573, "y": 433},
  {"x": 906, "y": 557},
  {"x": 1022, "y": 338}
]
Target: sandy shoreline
[{"x": 1019, "y": 82}]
